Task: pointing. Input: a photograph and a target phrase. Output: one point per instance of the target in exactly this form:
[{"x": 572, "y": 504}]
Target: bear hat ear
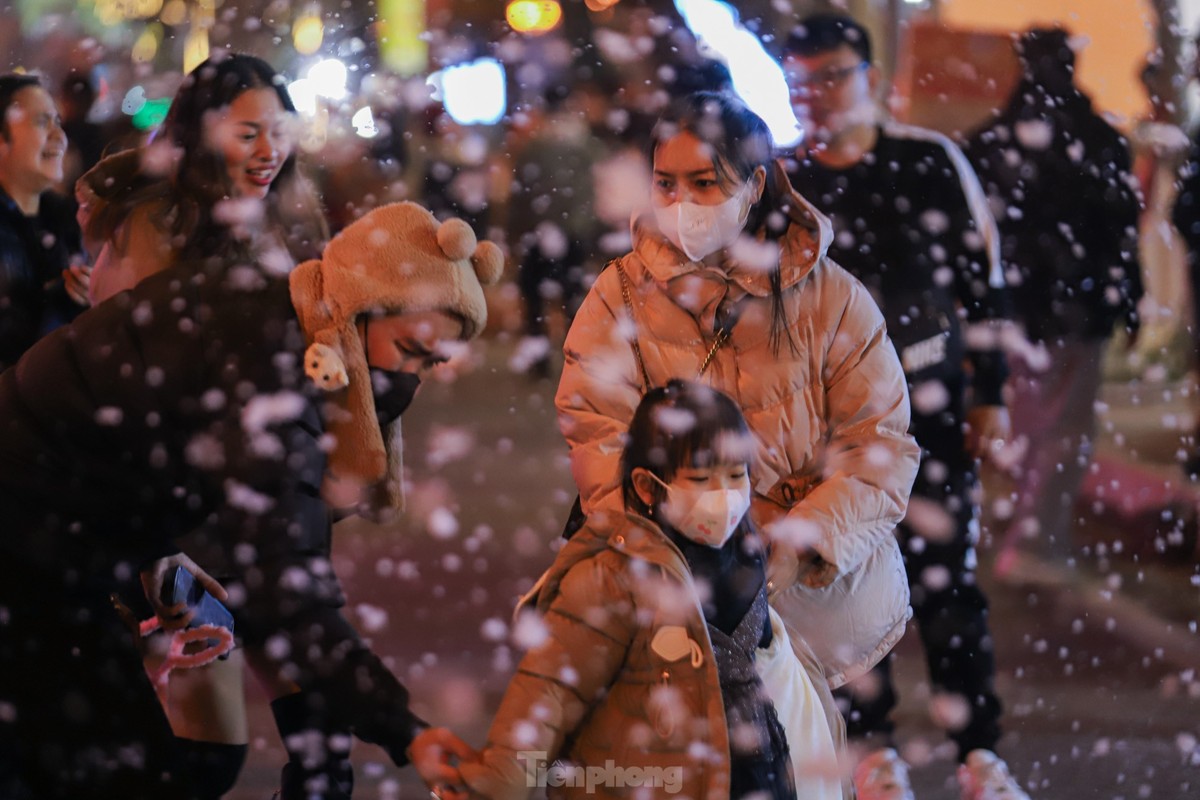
[
  {"x": 456, "y": 239},
  {"x": 488, "y": 262}
]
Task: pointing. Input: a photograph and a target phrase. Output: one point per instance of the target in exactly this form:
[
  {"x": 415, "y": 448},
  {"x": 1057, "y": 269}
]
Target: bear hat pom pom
[
  {"x": 456, "y": 239},
  {"x": 458, "y": 242},
  {"x": 488, "y": 261}
]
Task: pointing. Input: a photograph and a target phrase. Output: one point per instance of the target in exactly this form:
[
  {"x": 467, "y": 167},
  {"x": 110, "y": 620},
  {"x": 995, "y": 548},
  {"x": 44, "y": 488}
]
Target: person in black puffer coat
[
  {"x": 184, "y": 403},
  {"x": 1059, "y": 179}
]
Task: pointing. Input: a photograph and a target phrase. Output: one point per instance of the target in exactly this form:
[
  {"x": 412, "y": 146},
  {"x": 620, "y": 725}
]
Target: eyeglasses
[{"x": 827, "y": 79}]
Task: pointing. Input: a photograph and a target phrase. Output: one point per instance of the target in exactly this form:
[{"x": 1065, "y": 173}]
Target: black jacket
[
  {"x": 911, "y": 223},
  {"x": 1059, "y": 178},
  {"x": 33, "y": 253},
  {"x": 183, "y": 404},
  {"x": 1186, "y": 213}
]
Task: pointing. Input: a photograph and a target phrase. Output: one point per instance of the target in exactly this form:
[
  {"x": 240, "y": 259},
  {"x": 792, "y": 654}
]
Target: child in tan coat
[{"x": 644, "y": 679}]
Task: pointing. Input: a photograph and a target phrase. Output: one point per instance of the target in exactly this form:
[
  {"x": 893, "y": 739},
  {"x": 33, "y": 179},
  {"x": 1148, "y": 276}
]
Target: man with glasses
[{"x": 911, "y": 222}]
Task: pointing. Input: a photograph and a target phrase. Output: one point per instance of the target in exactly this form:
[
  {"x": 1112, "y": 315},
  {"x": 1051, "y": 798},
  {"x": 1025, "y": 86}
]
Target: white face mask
[
  {"x": 705, "y": 516},
  {"x": 700, "y": 231}
]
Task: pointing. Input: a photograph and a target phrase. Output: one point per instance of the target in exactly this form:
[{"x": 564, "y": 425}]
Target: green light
[{"x": 151, "y": 114}]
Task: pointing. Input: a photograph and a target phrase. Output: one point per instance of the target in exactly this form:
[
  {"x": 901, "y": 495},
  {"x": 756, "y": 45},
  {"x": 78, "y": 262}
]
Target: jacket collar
[
  {"x": 805, "y": 242},
  {"x": 632, "y": 535},
  {"x": 9, "y": 207}
]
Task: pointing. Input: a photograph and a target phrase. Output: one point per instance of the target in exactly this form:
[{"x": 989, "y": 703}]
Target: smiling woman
[
  {"x": 254, "y": 135},
  {"x": 228, "y": 138}
]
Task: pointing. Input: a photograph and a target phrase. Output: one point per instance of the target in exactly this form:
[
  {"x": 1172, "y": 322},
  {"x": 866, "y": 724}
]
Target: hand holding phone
[
  {"x": 181, "y": 586},
  {"x": 159, "y": 583}
]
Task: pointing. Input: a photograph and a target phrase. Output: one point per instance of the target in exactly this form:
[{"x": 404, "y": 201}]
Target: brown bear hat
[{"x": 396, "y": 259}]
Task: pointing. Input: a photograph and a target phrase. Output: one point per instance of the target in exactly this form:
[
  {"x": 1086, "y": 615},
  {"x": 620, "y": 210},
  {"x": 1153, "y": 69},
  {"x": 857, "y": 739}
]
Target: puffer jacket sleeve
[
  {"x": 589, "y": 626},
  {"x": 599, "y": 390},
  {"x": 870, "y": 460}
]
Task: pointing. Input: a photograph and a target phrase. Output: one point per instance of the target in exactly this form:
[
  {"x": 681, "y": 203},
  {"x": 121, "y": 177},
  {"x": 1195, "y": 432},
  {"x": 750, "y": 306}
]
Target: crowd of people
[{"x": 781, "y": 372}]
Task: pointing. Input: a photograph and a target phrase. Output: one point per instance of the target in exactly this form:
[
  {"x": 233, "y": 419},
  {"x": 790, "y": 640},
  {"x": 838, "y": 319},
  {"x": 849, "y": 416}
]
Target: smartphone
[{"x": 181, "y": 586}]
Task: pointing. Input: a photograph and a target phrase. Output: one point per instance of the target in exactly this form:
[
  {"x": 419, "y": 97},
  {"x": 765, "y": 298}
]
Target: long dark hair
[
  {"x": 680, "y": 425},
  {"x": 200, "y": 180},
  {"x": 741, "y": 143}
]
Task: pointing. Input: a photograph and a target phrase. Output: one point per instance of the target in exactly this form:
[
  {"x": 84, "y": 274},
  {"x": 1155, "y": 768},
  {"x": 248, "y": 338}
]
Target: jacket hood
[
  {"x": 1032, "y": 99},
  {"x": 803, "y": 244}
]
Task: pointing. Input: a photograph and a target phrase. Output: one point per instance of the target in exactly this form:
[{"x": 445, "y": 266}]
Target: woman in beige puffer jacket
[{"x": 794, "y": 339}]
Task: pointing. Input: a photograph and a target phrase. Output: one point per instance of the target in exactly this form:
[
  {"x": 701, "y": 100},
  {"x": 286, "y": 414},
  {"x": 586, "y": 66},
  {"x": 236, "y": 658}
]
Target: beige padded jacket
[
  {"x": 624, "y": 684},
  {"x": 834, "y": 463}
]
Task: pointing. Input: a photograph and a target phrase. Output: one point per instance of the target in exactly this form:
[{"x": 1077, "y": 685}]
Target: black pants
[
  {"x": 80, "y": 718},
  {"x": 938, "y": 539},
  {"x": 543, "y": 277}
]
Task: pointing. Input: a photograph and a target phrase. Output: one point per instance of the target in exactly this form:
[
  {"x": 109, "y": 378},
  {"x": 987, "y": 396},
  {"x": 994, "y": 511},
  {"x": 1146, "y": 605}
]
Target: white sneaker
[
  {"x": 882, "y": 775},
  {"x": 985, "y": 776}
]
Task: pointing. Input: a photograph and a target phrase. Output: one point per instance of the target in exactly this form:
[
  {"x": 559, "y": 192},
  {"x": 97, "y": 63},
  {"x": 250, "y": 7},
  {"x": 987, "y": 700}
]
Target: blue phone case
[{"x": 181, "y": 586}]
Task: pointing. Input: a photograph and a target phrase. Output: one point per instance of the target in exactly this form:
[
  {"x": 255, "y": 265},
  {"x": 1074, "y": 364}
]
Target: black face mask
[{"x": 393, "y": 391}]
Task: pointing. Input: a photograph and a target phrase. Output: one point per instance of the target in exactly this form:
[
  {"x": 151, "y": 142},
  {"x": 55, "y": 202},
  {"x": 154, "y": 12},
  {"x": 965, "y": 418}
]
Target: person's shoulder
[
  {"x": 838, "y": 281},
  {"x": 56, "y": 206},
  {"x": 57, "y": 216},
  {"x": 915, "y": 142},
  {"x": 1106, "y": 125},
  {"x": 590, "y": 566},
  {"x": 153, "y": 214},
  {"x": 12, "y": 221},
  {"x": 236, "y": 311},
  {"x": 994, "y": 132},
  {"x": 915, "y": 138},
  {"x": 839, "y": 294},
  {"x": 144, "y": 234},
  {"x": 218, "y": 289},
  {"x": 609, "y": 281}
]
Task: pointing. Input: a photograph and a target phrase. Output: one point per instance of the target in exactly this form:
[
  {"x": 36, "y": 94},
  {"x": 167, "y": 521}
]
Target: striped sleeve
[{"x": 979, "y": 274}]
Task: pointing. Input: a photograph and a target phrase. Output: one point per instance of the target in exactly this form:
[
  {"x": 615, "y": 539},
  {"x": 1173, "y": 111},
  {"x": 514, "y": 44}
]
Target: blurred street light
[
  {"x": 401, "y": 31},
  {"x": 329, "y": 78},
  {"x": 146, "y": 47},
  {"x": 308, "y": 31},
  {"x": 363, "y": 123},
  {"x": 756, "y": 77},
  {"x": 472, "y": 93},
  {"x": 533, "y": 16},
  {"x": 195, "y": 48}
]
